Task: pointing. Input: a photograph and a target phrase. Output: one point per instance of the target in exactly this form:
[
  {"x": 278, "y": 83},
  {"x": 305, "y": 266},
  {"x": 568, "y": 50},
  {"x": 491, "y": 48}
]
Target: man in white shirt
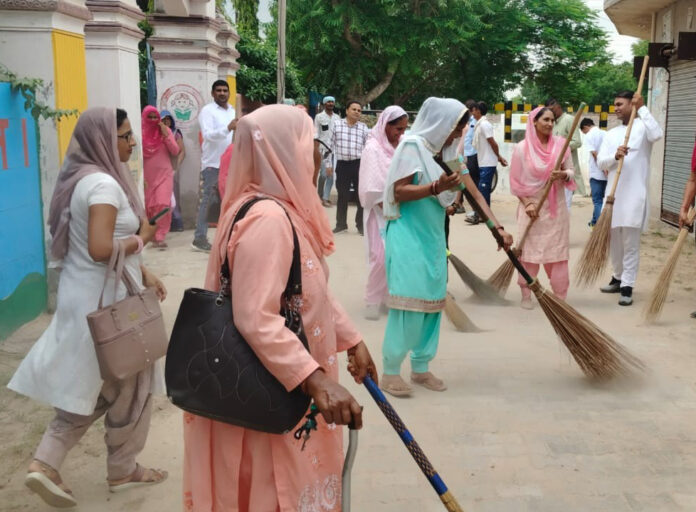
[
  {"x": 631, "y": 208},
  {"x": 486, "y": 149},
  {"x": 598, "y": 178},
  {"x": 324, "y": 124},
  {"x": 217, "y": 122},
  {"x": 347, "y": 142}
]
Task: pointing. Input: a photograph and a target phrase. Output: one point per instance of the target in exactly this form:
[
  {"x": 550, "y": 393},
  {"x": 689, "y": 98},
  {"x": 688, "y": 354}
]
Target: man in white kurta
[{"x": 631, "y": 206}]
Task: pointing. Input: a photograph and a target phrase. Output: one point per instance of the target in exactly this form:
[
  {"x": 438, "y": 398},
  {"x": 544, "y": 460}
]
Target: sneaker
[
  {"x": 201, "y": 245},
  {"x": 614, "y": 286},
  {"x": 340, "y": 229},
  {"x": 472, "y": 219},
  {"x": 371, "y": 312},
  {"x": 326, "y": 203},
  {"x": 626, "y": 298}
]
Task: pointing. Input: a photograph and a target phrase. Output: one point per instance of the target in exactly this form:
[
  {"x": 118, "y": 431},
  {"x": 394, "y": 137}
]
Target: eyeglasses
[{"x": 126, "y": 136}]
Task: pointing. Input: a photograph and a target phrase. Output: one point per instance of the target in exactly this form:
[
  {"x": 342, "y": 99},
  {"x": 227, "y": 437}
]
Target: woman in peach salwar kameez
[
  {"x": 233, "y": 469},
  {"x": 159, "y": 145},
  {"x": 532, "y": 165}
]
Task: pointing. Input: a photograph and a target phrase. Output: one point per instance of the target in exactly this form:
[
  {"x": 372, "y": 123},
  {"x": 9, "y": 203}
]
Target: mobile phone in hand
[{"x": 153, "y": 220}]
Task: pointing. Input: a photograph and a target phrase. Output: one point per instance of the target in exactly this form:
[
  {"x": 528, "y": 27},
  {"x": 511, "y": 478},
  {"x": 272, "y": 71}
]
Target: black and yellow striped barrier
[{"x": 508, "y": 108}]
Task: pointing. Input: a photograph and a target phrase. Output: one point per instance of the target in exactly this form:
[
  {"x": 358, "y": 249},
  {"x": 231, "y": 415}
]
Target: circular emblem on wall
[{"x": 184, "y": 102}]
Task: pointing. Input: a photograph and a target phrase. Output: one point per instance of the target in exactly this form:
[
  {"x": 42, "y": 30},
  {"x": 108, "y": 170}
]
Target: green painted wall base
[{"x": 23, "y": 305}]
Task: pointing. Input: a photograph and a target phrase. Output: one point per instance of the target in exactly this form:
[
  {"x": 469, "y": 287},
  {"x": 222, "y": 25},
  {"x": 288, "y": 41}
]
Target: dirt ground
[{"x": 519, "y": 428}]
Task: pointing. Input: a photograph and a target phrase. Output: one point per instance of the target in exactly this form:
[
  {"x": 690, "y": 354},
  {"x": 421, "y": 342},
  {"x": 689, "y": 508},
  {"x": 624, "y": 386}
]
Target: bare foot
[
  {"x": 395, "y": 386},
  {"x": 429, "y": 381}
]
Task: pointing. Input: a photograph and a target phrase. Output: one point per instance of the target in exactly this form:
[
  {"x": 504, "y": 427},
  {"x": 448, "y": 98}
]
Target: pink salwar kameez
[
  {"x": 374, "y": 166},
  {"x": 158, "y": 171},
  {"x": 233, "y": 469},
  {"x": 547, "y": 243}
]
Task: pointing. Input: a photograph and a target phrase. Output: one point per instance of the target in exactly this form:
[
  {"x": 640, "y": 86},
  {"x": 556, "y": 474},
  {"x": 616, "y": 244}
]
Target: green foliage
[
  {"x": 28, "y": 88},
  {"x": 256, "y": 77},
  {"x": 401, "y": 51},
  {"x": 146, "y": 27},
  {"x": 247, "y": 20}
]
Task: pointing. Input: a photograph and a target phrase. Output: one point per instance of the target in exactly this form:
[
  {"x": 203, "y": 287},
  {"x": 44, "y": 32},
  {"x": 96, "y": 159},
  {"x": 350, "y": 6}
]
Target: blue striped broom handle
[{"x": 446, "y": 496}]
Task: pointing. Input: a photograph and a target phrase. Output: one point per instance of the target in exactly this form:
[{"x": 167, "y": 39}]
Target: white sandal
[{"x": 48, "y": 490}]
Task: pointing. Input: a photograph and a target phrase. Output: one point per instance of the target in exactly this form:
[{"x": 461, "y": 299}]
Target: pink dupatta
[
  {"x": 376, "y": 158},
  {"x": 530, "y": 173}
]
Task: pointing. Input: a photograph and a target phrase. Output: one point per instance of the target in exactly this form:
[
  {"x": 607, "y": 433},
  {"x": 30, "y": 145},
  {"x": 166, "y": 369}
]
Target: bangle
[
  {"x": 433, "y": 188},
  {"x": 500, "y": 227},
  {"x": 141, "y": 244}
]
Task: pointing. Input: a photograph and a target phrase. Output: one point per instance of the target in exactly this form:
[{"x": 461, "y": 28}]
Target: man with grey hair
[{"x": 324, "y": 125}]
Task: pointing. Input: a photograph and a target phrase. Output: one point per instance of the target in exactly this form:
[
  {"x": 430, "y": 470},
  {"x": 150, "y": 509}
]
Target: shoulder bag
[
  {"x": 129, "y": 335},
  {"x": 212, "y": 371}
]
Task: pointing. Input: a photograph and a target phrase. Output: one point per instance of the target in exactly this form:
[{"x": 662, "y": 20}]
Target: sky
[{"x": 619, "y": 45}]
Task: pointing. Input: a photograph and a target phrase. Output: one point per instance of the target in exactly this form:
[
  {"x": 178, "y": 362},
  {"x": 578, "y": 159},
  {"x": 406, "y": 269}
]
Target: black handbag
[{"x": 212, "y": 371}]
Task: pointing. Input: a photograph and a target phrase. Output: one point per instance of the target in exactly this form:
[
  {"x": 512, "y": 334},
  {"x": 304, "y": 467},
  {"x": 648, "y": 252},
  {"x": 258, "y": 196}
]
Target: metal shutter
[{"x": 679, "y": 137}]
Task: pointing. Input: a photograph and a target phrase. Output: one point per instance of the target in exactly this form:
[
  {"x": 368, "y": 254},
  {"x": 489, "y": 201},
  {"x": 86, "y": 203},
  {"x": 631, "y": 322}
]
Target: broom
[
  {"x": 481, "y": 288},
  {"x": 659, "y": 294},
  {"x": 594, "y": 256},
  {"x": 597, "y": 354},
  {"x": 416, "y": 452},
  {"x": 501, "y": 278},
  {"x": 456, "y": 315}
]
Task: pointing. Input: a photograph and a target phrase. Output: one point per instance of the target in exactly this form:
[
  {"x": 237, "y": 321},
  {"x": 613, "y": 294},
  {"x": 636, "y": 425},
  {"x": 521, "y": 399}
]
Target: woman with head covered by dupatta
[
  {"x": 531, "y": 166},
  {"x": 159, "y": 145},
  {"x": 95, "y": 205},
  {"x": 374, "y": 166},
  {"x": 416, "y": 195},
  {"x": 232, "y": 468}
]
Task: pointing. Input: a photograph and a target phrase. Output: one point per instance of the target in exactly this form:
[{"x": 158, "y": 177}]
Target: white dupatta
[{"x": 436, "y": 119}]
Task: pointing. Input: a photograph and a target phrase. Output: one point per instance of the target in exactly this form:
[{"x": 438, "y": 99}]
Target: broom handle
[
  {"x": 416, "y": 452},
  {"x": 549, "y": 184},
  {"x": 491, "y": 226},
  {"x": 630, "y": 125}
]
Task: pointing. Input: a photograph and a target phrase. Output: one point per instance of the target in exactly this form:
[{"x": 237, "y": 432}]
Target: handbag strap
[
  {"x": 116, "y": 265},
  {"x": 294, "y": 285}
]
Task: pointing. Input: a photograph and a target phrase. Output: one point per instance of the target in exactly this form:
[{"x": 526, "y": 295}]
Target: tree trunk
[{"x": 381, "y": 86}]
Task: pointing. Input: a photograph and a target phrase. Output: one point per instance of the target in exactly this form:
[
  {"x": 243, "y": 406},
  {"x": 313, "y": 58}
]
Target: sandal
[
  {"x": 395, "y": 386},
  {"x": 429, "y": 381},
  {"x": 139, "y": 478},
  {"x": 46, "y": 482}
]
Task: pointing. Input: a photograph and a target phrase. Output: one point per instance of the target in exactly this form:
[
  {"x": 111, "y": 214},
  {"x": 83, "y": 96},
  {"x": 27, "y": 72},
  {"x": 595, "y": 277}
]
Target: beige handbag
[{"x": 128, "y": 335}]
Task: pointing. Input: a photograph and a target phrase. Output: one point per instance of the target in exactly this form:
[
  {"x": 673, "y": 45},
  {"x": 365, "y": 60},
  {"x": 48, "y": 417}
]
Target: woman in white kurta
[
  {"x": 631, "y": 206},
  {"x": 94, "y": 203}
]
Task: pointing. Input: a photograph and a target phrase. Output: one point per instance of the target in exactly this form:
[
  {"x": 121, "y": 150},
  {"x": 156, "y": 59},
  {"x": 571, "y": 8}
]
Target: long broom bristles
[
  {"x": 481, "y": 288},
  {"x": 597, "y": 354},
  {"x": 456, "y": 315},
  {"x": 659, "y": 294},
  {"x": 596, "y": 253},
  {"x": 500, "y": 279}
]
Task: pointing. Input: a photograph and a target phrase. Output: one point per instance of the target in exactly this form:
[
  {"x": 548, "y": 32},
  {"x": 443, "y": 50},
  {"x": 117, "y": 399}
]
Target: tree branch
[{"x": 382, "y": 85}]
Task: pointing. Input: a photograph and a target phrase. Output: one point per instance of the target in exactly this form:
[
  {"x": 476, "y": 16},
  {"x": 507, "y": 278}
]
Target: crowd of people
[{"x": 403, "y": 199}]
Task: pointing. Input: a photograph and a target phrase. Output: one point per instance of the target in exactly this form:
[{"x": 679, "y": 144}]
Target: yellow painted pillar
[
  {"x": 232, "y": 83},
  {"x": 70, "y": 81}
]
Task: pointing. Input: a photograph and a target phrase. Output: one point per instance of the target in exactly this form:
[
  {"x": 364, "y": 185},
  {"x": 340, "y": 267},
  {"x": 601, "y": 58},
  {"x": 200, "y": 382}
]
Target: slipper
[
  {"x": 49, "y": 490},
  {"x": 136, "y": 479},
  {"x": 527, "y": 304},
  {"x": 428, "y": 381},
  {"x": 395, "y": 386}
]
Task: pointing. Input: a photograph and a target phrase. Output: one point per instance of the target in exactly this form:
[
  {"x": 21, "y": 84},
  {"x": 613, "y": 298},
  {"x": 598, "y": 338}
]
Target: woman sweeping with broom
[
  {"x": 415, "y": 198},
  {"x": 531, "y": 166}
]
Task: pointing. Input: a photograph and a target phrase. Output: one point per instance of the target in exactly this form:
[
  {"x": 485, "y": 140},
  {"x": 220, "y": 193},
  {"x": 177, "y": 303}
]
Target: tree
[
  {"x": 247, "y": 19},
  {"x": 404, "y": 50}
]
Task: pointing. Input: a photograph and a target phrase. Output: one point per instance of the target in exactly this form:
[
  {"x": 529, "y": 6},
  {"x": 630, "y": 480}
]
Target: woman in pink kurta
[
  {"x": 229, "y": 468},
  {"x": 159, "y": 145},
  {"x": 531, "y": 166},
  {"x": 374, "y": 166}
]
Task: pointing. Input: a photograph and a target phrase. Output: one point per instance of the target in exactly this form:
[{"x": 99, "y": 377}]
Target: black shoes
[
  {"x": 201, "y": 245},
  {"x": 340, "y": 229},
  {"x": 626, "y": 298},
  {"x": 614, "y": 286}
]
